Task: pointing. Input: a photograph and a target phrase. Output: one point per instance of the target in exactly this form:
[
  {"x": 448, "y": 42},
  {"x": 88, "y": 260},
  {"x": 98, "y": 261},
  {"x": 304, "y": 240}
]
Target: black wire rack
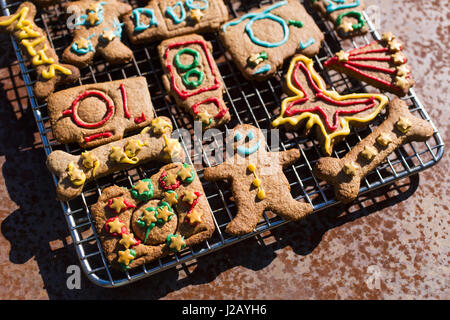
[{"x": 255, "y": 103}]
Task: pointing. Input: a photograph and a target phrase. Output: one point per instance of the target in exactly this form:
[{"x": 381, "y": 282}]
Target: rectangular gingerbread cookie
[
  {"x": 157, "y": 216},
  {"x": 192, "y": 78},
  {"x": 95, "y": 114},
  {"x": 163, "y": 19},
  {"x": 262, "y": 39}
]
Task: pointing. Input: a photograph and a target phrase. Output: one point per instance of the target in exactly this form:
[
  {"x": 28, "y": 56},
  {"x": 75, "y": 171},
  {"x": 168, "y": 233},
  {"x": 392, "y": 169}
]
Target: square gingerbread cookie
[{"x": 262, "y": 39}]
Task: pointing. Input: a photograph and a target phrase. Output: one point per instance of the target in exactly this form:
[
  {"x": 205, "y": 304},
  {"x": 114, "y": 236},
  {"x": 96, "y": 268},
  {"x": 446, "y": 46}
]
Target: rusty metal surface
[{"x": 391, "y": 244}]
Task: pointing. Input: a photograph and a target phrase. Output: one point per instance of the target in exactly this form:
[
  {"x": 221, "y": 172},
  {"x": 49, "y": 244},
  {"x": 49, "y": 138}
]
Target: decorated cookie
[
  {"x": 345, "y": 174},
  {"x": 163, "y": 19},
  {"x": 152, "y": 144},
  {"x": 97, "y": 31},
  {"x": 261, "y": 40},
  {"x": 345, "y": 14},
  {"x": 257, "y": 180},
  {"x": 193, "y": 79},
  {"x": 332, "y": 114},
  {"x": 35, "y": 43},
  {"x": 381, "y": 64},
  {"x": 95, "y": 114},
  {"x": 135, "y": 230}
]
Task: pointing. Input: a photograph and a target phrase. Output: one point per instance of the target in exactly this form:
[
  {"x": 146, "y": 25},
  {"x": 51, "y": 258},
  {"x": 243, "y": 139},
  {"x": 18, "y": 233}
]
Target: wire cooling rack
[{"x": 256, "y": 103}]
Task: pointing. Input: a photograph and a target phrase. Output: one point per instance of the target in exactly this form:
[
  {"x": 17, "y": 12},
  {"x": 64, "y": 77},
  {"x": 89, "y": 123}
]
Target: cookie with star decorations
[
  {"x": 177, "y": 215},
  {"x": 347, "y": 15},
  {"x": 97, "y": 32},
  {"x": 192, "y": 79},
  {"x": 164, "y": 19},
  {"x": 381, "y": 64},
  {"x": 50, "y": 73},
  {"x": 262, "y": 39},
  {"x": 311, "y": 106},
  {"x": 154, "y": 143},
  {"x": 258, "y": 183}
]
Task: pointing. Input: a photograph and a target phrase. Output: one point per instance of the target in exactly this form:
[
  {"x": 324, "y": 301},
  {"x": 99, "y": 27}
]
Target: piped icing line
[
  {"x": 92, "y": 137},
  {"x": 221, "y": 110},
  {"x": 140, "y": 26},
  {"x": 318, "y": 86},
  {"x": 342, "y": 5},
  {"x": 308, "y": 43},
  {"x": 264, "y": 69},
  {"x": 125, "y": 101}
]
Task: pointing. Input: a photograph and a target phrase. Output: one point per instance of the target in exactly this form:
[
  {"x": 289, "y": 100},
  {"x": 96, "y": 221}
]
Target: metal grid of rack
[{"x": 256, "y": 103}]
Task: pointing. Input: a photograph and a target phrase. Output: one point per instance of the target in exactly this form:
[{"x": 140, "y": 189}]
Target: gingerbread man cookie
[
  {"x": 192, "y": 78},
  {"x": 159, "y": 215},
  {"x": 257, "y": 180},
  {"x": 33, "y": 39},
  {"x": 152, "y": 144},
  {"x": 97, "y": 31},
  {"x": 331, "y": 113},
  {"x": 164, "y": 19},
  {"x": 262, "y": 39},
  {"x": 381, "y": 64},
  {"x": 345, "y": 174}
]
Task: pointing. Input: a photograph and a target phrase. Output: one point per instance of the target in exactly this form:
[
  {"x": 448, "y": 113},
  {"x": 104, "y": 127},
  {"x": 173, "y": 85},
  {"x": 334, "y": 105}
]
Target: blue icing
[
  {"x": 83, "y": 51},
  {"x": 342, "y": 5},
  {"x": 238, "y": 136},
  {"x": 191, "y": 5},
  {"x": 170, "y": 11},
  {"x": 251, "y": 134},
  {"x": 243, "y": 151},
  {"x": 140, "y": 26},
  {"x": 265, "y": 68},
  {"x": 308, "y": 43}
]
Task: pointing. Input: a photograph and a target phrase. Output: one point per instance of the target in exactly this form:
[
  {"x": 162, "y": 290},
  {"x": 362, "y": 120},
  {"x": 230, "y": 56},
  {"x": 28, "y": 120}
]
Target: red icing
[
  {"x": 106, "y": 134},
  {"x": 140, "y": 119},
  {"x": 370, "y": 102},
  {"x": 78, "y": 121},
  {"x": 194, "y": 203},
  {"x": 123, "y": 230},
  {"x": 127, "y": 204},
  {"x": 183, "y": 93},
  {"x": 164, "y": 185},
  {"x": 216, "y": 101},
  {"x": 125, "y": 101}
]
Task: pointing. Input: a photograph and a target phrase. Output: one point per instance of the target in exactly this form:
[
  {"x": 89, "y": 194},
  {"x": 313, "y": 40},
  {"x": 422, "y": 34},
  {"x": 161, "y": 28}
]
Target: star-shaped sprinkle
[
  {"x": 195, "y": 217},
  {"x": 256, "y": 59},
  {"x": 160, "y": 126},
  {"x": 125, "y": 257},
  {"x": 132, "y": 147},
  {"x": 164, "y": 213},
  {"x": 171, "y": 198},
  {"x": 403, "y": 125},
  {"x": 172, "y": 147},
  {"x": 196, "y": 15},
  {"x": 92, "y": 17},
  {"x": 94, "y": 6},
  {"x": 149, "y": 217},
  {"x": 351, "y": 168},
  {"x": 402, "y": 70},
  {"x": 369, "y": 153},
  {"x": 115, "y": 226},
  {"x": 395, "y": 45},
  {"x": 141, "y": 187},
  {"x": 185, "y": 173},
  {"x": 117, "y": 204},
  {"x": 398, "y": 58},
  {"x": 170, "y": 179},
  {"x": 342, "y": 56},
  {"x": 176, "y": 242},
  {"x": 108, "y": 35},
  {"x": 401, "y": 82},
  {"x": 82, "y": 43},
  {"x": 346, "y": 26},
  {"x": 74, "y": 173},
  {"x": 189, "y": 196},
  {"x": 387, "y": 37},
  {"x": 117, "y": 154},
  {"x": 127, "y": 240},
  {"x": 384, "y": 139},
  {"x": 88, "y": 159},
  {"x": 204, "y": 117}
]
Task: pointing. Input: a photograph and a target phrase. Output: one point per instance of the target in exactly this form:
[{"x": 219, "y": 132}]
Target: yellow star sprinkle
[
  {"x": 255, "y": 59},
  {"x": 189, "y": 196},
  {"x": 88, "y": 159},
  {"x": 403, "y": 125},
  {"x": 351, "y": 168},
  {"x": 117, "y": 204},
  {"x": 170, "y": 179},
  {"x": 164, "y": 213},
  {"x": 342, "y": 56},
  {"x": 170, "y": 198},
  {"x": 172, "y": 148},
  {"x": 195, "y": 216},
  {"x": 369, "y": 153},
  {"x": 82, "y": 43},
  {"x": 387, "y": 36},
  {"x": 402, "y": 70},
  {"x": 149, "y": 217},
  {"x": 108, "y": 35},
  {"x": 196, "y": 15},
  {"x": 94, "y": 6},
  {"x": 141, "y": 187},
  {"x": 117, "y": 154},
  {"x": 115, "y": 226},
  {"x": 177, "y": 242},
  {"x": 92, "y": 18},
  {"x": 160, "y": 126},
  {"x": 127, "y": 240},
  {"x": 125, "y": 257},
  {"x": 398, "y": 58},
  {"x": 394, "y": 45},
  {"x": 132, "y": 147},
  {"x": 77, "y": 176},
  {"x": 384, "y": 139},
  {"x": 204, "y": 117},
  {"x": 346, "y": 26},
  {"x": 185, "y": 173},
  {"x": 401, "y": 82}
]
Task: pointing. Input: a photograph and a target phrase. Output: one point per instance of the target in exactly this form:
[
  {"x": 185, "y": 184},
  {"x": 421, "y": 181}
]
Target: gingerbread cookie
[
  {"x": 312, "y": 105},
  {"x": 345, "y": 174},
  {"x": 163, "y": 19},
  {"x": 97, "y": 31},
  {"x": 345, "y": 14},
  {"x": 152, "y": 144},
  {"x": 33, "y": 39},
  {"x": 159, "y": 215},
  {"x": 193, "y": 79},
  {"x": 257, "y": 180},
  {"x": 261, "y": 40},
  {"x": 381, "y": 64},
  {"x": 95, "y": 114}
]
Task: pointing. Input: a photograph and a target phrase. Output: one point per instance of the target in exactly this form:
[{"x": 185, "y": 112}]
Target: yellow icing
[
  {"x": 77, "y": 176},
  {"x": 314, "y": 119},
  {"x": 257, "y": 182}
]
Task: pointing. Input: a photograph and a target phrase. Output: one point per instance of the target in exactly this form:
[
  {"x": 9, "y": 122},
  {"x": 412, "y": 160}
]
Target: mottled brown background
[{"x": 401, "y": 231}]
